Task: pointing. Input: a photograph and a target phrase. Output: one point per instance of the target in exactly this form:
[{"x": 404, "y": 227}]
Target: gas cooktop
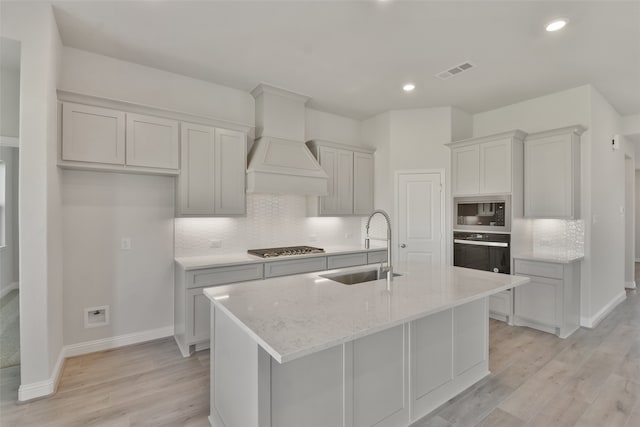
[{"x": 285, "y": 251}]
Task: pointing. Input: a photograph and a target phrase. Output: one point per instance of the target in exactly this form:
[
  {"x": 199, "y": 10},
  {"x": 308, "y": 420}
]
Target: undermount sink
[{"x": 352, "y": 278}]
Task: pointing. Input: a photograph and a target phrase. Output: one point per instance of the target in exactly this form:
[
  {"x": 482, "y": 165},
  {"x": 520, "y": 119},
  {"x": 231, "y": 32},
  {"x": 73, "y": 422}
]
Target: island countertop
[{"x": 294, "y": 316}]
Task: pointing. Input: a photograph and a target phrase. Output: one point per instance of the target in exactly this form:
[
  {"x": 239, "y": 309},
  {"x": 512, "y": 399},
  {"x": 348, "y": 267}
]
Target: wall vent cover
[{"x": 458, "y": 69}]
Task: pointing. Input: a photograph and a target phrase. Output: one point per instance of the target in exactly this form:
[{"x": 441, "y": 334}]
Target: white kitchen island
[{"x": 308, "y": 351}]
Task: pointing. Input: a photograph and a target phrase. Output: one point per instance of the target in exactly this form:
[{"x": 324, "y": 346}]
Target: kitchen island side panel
[{"x": 340, "y": 386}]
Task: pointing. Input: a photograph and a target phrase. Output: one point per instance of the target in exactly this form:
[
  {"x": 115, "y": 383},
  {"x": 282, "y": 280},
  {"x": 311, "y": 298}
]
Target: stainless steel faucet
[{"x": 367, "y": 241}]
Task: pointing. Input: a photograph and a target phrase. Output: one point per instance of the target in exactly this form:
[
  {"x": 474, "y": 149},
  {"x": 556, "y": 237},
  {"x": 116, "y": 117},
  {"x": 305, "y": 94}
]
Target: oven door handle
[{"x": 478, "y": 243}]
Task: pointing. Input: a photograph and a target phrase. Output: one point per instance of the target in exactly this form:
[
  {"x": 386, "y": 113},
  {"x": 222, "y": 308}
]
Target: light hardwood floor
[{"x": 537, "y": 379}]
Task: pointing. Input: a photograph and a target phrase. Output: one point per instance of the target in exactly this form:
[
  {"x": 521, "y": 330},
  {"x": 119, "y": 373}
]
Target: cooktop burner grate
[{"x": 285, "y": 251}]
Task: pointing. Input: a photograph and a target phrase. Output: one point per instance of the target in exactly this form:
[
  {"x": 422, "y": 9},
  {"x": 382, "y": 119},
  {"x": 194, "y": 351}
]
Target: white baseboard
[
  {"x": 117, "y": 341},
  {"x": 630, "y": 285},
  {"x": 593, "y": 321},
  {"x": 42, "y": 388},
  {"x": 47, "y": 387},
  {"x": 12, "y": 287}
]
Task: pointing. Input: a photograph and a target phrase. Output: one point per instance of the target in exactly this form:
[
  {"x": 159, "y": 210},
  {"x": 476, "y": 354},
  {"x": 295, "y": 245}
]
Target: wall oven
[
  {"x": 482, "y": 213},
  {"x": 482, "y": 251}
]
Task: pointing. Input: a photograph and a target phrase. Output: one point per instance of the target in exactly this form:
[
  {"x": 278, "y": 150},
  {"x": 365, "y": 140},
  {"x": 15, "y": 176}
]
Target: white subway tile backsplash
[{"x": 271, "y": 221}]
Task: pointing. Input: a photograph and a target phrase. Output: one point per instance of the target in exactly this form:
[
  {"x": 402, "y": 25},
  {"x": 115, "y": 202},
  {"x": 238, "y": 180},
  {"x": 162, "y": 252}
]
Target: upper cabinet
[
  {"x": 552, "y": 174},
  {"x": 152, "y": 142},
  {"x": 351, "y": 173},
  {"x": 487, "y": 165},
  {"x": 212, "y": 173},
  {"x": 92, "y": 134},
  {"x": 106, "y": 139}
]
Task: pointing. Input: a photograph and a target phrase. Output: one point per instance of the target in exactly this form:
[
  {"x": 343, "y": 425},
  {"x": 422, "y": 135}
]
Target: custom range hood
[{"x": 279, "y": 161}]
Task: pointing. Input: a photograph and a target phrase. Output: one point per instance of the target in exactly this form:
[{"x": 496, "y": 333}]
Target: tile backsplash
[
  {"x": 271, "y": 221},
  {"x": 558, "y": 238}
]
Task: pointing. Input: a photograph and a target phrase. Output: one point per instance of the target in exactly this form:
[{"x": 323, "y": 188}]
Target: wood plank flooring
[{"x": 537, "y": 380}]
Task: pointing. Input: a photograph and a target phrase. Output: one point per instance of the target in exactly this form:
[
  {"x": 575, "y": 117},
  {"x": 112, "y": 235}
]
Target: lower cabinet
[
  {"x": 550, "y": 302},
  {"x": 501, "y": 306},
  {"x": 192, "y": 308}
]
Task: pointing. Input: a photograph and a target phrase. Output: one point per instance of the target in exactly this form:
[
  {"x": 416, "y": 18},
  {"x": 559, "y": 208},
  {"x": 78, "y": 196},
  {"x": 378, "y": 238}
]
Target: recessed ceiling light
[
  {"x": 556, "y": 25},
  {"x": 408, "y": 87}
]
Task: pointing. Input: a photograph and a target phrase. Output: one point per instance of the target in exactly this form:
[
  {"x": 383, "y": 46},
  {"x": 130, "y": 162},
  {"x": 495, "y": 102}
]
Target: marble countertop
[
  {"x": 294, "y": 316},
  {"x": 237, "y": 258},
  {"x": 549, "y": 258}
]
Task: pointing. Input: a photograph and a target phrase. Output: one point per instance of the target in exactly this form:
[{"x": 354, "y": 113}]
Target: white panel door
[
  {"x": 495, "y": 166},
  {"x": 92, "y": 134},
  {"x": 196, "y": 179},
  {"x": 362, "y": 183},
  {"x": 230, "y": 172},
  {"x": 419, "y": 218},
  {"x": 152, "y": 142},
  {"x": 466, "y": 169}
]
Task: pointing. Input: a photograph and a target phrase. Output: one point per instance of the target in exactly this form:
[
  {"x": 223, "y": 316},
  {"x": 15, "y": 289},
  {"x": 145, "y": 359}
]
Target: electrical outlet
[
  {"x": 96, "y": 316},
  {"x": 125, "y": 243},
  {"x": 215, "y": 243}
]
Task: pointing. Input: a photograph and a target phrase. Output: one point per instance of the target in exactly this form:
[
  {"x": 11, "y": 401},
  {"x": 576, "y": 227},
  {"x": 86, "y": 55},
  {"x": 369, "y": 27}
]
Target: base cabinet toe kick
[{"x": 389, "y": 378}]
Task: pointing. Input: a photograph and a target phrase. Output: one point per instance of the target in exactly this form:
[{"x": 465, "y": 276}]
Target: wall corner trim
[
  {"x": 630, "y": 285},
  {"x": 44, "y": 388},
  {"x": 593, "y": 321}
]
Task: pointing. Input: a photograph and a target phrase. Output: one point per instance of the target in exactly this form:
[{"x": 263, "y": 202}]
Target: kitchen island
[{"x": 306, "y": 350}]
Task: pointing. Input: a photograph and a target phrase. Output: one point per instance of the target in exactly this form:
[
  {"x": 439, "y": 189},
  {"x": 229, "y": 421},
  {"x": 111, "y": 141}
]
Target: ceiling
[{"x": 352, "y": 57}]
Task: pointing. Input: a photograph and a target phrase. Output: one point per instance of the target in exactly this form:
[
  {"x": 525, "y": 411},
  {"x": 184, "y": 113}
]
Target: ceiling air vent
[{"x": 458, "y": 69}]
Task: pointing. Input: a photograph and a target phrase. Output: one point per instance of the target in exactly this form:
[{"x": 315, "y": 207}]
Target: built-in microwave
[{"x": 482, "y": 213}]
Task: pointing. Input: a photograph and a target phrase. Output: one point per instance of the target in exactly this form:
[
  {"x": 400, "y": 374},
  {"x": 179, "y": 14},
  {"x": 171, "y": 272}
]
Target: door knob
[{"x": 402, "y": 245}]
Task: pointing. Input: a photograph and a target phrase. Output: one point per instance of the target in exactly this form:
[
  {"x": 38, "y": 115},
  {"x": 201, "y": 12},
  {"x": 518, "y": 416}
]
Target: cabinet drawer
[
  {"x": 350, "y": 260},
  {"x": 297, "y": 266},
  {"x": 224, "y": 275},
  {"x": 376, "y": 257},
  {"x": 540, "y": 269}
]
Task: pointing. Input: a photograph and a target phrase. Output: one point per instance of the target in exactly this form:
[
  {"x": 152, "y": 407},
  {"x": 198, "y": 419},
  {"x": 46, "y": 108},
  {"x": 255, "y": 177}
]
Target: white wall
[
  {"x": 331, "y": 127},
  {"x": 99, "y": 210},
  {"x": 33, "y": 25},
  {"x": 9, "y": 102},
  {"x": 414, "y": 139},
  {"x": 607, "y": 199},
  {"x": 637, "y": 216},
  {"x": 630, "y": 216},
  {"x": 106, "y": 77},
  {"x": 602, "y": 182},
  {"x": 376, "y": 132}
]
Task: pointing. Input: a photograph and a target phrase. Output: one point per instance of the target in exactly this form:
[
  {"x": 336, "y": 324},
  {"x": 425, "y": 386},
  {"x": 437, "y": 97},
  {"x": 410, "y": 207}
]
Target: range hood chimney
[{"x": 279, "y": 161}]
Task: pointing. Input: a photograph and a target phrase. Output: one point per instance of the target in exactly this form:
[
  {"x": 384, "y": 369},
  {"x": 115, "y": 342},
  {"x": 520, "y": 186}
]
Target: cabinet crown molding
[
  {"x": 150, "y": 110},
  {"x": 516, "y": 134},
  {"x": 575, "y": 129},
  {"x": 357, "y": 148},
  {"x": 274, "y": 90}
]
